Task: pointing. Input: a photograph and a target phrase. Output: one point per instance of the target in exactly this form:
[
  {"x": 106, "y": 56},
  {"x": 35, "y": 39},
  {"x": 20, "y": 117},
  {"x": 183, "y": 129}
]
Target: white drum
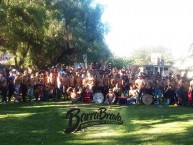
[
  {"x": 147, "y": 99},
  {"x": 98, "y": 98}
]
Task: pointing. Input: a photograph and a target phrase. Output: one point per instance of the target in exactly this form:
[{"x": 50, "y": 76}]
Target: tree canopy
[
  {"x": 142, "y": 56},
  {"x": 47, "y": 32}
]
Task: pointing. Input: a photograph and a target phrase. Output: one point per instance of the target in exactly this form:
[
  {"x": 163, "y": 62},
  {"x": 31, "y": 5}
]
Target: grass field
[{"x": 41, "y": 123}]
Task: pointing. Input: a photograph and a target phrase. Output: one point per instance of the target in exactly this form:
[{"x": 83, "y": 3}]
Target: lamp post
[{"x": 85, "y": 60}]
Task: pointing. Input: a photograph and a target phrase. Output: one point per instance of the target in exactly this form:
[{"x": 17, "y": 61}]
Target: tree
[
  {"x": 142, "y": 56},
  {"x": 44, "y": 33},
  {"x": 119, "y": 62}
]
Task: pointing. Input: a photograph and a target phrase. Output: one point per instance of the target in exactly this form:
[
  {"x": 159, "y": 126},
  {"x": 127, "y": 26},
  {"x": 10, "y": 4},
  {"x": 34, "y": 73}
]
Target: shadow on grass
[{"x": 44, "y": 123}]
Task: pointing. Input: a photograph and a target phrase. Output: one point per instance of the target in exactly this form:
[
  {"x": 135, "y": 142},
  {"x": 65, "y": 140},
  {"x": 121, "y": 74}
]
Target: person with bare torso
[
  {"x": 65, "y": 83},
  {"x": 111, "y": 81},
  {"x": 24, "y": 87},
  {"x": 17, "y": 84},
  {"x": 131, "y": 79},
  {"x": 118, "y": 81},
  {"x": 37, "y": 86},
  {"x": 140, "y": 85},
  {"x": 72, "y": 80},
  {"x": 133, "y": 95},
  {"x": 178, "y": 89},
  {"x": 101, "y": 83},
  {"x": 106, "y": 84},
  {"x": 84, "y": 80},
  {"x": 74, "y": 94},
  {"x": 11, "y": 88},
  {"x": 117, "y": 89},
  {"x": 90, "y": 80},
  {"x": 78, "y": 81},
  {"x": 190, "y": 93},
  {"x": 184, "y": 91},
  {"x": 31, "y": 86}
]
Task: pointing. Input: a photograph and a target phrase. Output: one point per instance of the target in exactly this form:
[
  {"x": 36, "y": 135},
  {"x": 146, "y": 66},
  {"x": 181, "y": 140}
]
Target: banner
[{"x": 5, "y": 58}]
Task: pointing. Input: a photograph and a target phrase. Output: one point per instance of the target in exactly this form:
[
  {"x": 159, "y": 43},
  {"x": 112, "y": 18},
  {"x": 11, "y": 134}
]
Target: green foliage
[
  {"x": 120, "y": 61},
  {"x": 44, "y": 123},
  {"x": 142, "y": 56},
  {"x": 43, "y": 33}
]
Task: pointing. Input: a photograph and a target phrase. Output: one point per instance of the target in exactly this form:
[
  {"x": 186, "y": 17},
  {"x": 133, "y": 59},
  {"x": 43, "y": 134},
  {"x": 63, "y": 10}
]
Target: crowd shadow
[{"x": 45, "y": 124}]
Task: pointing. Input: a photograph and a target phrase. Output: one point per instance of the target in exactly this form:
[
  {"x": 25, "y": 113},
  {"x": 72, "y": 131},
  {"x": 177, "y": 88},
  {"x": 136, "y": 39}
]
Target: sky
[{"x": 149, "y": 23}]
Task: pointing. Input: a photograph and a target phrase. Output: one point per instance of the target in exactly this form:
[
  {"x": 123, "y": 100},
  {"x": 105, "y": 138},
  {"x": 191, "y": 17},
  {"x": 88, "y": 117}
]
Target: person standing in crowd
[
  {"x": 78, "y": 80},
  {"x": 59, "y": 86},
  {"x": 91, "y": 81},
  {"x": 157, "y": 91},
  {"x": 119, "y": 82},
  {"x": 178, "y": 89},
  {"x": 132, "y": 79},
  {"x": 17, "y": 82},
  {"x": 111, "y": 81},
  {"x": 3, "y": 87},
  {"x": 24, "y": 87},
  {"x": 140, "y": 84},
  {"x": 185, "y": 87},
  {"x": 106, "y": 83},
  {"x": 100, "y": 82},
  {"x": 126, "y": 86},
  {"x": 65, "y": 84},
  {"x": 71, "y": 80},
  {"x": 31, "y": 87},
  {"x": 190, "y": 93},
  {"x": 54, "y": 76},
  {"x": 10, "y": 85},
  {"x": 37, "y": 86},
  {"x": 169, "y": 92}
]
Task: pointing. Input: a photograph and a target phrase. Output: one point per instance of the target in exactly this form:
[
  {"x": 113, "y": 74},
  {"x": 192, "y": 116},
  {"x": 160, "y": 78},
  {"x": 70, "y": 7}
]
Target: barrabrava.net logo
[{"x": 79, "y": 120}]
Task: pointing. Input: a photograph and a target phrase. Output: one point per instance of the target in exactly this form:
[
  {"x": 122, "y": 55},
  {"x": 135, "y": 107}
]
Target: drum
[
  {"x": 98, "y": 98},
  {"x": 147, "y": 99}
]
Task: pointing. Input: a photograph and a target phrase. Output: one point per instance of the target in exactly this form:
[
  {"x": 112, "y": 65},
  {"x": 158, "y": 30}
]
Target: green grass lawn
[{"x": 44, "y": 123}]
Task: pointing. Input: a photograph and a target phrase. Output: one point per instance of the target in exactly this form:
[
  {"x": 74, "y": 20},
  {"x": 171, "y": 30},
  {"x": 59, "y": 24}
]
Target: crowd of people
[{"x": 77, "y": 83}]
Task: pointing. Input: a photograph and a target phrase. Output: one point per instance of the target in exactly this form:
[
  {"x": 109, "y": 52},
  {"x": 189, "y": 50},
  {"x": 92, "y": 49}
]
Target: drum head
[
  {"x": 147, "y": 99},
  {"x": 98, "y": 97}
]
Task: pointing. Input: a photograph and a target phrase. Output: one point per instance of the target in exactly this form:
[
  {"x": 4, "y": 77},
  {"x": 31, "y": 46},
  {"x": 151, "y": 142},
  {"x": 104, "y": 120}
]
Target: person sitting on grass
[
  {"x": 110, "y": 97},
  {"x": 133, "y": 95},
  {"x": 87, "y": 95},
  {"x": 74, "y": 94}
]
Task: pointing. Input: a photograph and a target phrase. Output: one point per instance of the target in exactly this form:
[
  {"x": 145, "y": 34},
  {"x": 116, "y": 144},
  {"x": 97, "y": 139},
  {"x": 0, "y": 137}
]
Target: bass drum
[
  {"x": 98, "y": 98},
  {"x": 147, "y": 99}
]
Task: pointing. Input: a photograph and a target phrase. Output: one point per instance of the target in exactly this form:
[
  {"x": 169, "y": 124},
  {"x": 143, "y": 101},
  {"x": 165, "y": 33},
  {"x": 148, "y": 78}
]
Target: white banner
[{"x": 5, "y": 58}]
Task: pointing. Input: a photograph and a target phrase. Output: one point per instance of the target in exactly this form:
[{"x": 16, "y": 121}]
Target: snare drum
[
  {"x": 98, "y": 98},
  {"x": 147, "y": 99}
]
